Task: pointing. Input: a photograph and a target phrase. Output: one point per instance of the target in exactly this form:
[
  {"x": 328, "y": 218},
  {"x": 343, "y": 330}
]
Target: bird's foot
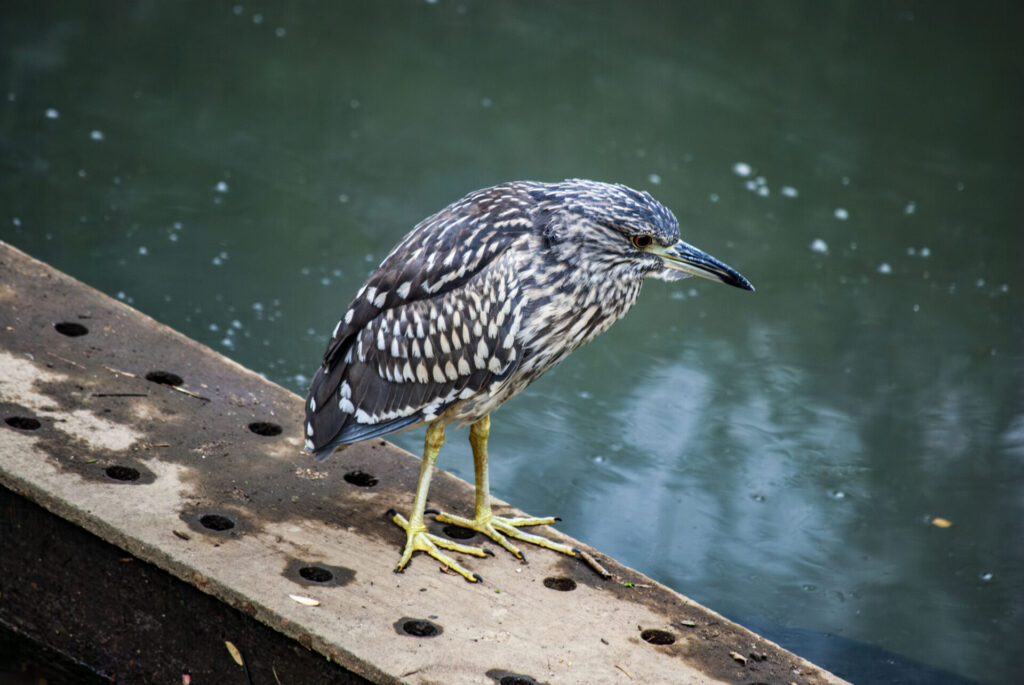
[
  {"x": 500, "y": 528},
  {"x": 419, "y": 540}
]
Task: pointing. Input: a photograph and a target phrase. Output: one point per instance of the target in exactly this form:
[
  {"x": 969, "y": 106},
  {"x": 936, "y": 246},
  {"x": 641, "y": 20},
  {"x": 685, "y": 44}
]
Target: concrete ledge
[{"x": 190, "y": 466}]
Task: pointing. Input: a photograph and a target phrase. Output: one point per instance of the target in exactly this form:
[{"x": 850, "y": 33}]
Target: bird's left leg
[{"x": 498, "y": 528}]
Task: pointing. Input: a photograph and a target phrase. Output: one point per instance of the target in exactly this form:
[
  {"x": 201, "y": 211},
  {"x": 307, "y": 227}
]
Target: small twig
[
  {"x": 593, "y": 563},
  {"x": 624, "y": 671},
  {"x": 189, "y": 393},
  {"x": 119, "y": 372},
  {"x": 74, "y": 364}
]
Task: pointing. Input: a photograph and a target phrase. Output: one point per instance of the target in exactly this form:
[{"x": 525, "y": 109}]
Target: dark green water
[{"x": 236, "y": 170}]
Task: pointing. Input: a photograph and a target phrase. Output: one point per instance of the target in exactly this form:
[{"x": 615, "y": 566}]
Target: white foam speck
[
  {"x": 51, "y": 113},
  {"x": 925, "y": 252},
  {"x": 237, "y": 9},
  {"x": 486, "y": 102},
  {"x": 789, "y": 191},
  {"x": 280, "y": 32},
  {"x": 846, "y": 180},
  {"x": 751, "y": 185},
  {"x": 884, "y": 268},
  {"x": 741, "y": 169},
  {"x": 763, "y": 191},
  {"x": 96, "y": 135},
  {"x": 819, "y": 245},
  {"x": 841, "y": 213},
  {"x": 917, "y": 307},
  {"x": 910, "y": 208},
  {"x": 143, "y": 250},
  {"x": 16, "y": 221},
  {"x": 343, "y": 198},
  {"x": 713, "y": 197},
  {"x": 257, "y": 18},
  {"x": 655, "y": 179},
  {"x": 221, "y": 187}
]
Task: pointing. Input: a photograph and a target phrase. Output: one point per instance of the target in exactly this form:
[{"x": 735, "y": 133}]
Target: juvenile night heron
[{"x": 475, "y": 304}]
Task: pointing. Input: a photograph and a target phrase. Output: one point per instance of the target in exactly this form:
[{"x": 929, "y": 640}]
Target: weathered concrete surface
[{"x": 161, "y": 472}]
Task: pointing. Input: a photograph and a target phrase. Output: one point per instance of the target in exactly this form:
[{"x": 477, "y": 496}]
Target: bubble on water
[
  {"x": 741, "y": 169},
  {"x": 1004, "y": 288},
  {"x": 837, "y": 494},
  {"x": 980, "y": 283},
  {"x": 819, "y": 245},
  {"x": 597, "y": 459},
  {"x": 655, "y": 179},
  {"x": 280, "y": 32},
  {"x": 713, "y": 197},
  {"x": 884, "y": 268},
  {"x": 584, "y": 395},
  {"x": 52, "y": 113},
  {"x": 841, "y": 213},
  {"x": 213, "y": 327},
  {"x": 235, "y": 323},
  {"x": 846, "y": 180},
  {"x": 143, "y": 250},
  {"x": 960, "y": 185},
  {"x": 16, "y": 221},
  {"x": 257, "y": 18},
  {"x": 257, "y": 306},
  {"x": 228, "y": 343},
  {"x": 916, "y": 308},
  {"x": 750, "y": 185},
  {"x": 789, "y": 191},
  {"x": 911, "y": 251},
  {"x": 924, "y": 252},
  {"x": 985, "y": 577},
  {"x": 221, "y": 187},
  {"x": 81, "y": 173},
  {"x": 910, "y": 208},
  {"x": 237, "y": 9},
  {"x": 354, "y": 104},
  {"x": 763, "y": 191},
  {"x": 486, "y": 102},
  {"x": 760, "y": 180},
  {"x": 343, "y": 198},
  {"x": 96, "y": 135},
  {"x": 173, "y": 237}
]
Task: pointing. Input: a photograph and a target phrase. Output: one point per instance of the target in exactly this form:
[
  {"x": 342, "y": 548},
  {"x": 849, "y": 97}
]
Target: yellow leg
[
  {"x": 417, "y": 537},
  {"x": 498, "y": 528}
]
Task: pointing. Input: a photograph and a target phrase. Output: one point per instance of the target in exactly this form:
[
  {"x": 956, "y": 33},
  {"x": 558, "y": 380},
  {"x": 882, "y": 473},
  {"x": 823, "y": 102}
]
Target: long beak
[{"x": 688, "y": 259}]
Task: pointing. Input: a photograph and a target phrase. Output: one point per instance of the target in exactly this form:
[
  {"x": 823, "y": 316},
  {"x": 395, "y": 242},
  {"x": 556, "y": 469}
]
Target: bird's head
[{"x": 605, "y": 226}]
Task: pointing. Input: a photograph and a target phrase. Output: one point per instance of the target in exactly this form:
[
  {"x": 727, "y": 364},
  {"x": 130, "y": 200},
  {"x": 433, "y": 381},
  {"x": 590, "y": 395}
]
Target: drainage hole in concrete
[
  {"x": 164, "y": 378},
  {"x": 457, "y": 532},
  {"x": 560, "y": 583},
  {"x": 70, "y": 329},
  {"x": 360, "y": 478},
  {"x": 658, "y": 637},
  {"x": 419, "y": 627},
  {"x": 25, "y": 423},
  {"x": 216, "y": 522},
  {"x": 264, "y": 428},
  {"x": 516, "y": 679},
  {"x": 125, "y": 473},
  {"x": 316, "y": 574}
]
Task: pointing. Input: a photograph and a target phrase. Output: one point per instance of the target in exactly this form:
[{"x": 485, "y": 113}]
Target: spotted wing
[{"x": 434, "y": 324}]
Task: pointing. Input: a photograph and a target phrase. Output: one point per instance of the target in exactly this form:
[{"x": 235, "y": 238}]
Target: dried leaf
[
  {"x": 235, "y": 654},
  {"x": 306, "y": 601},
  {"x": 939, "y": 522},
  {"x": 739, "y": 657}
]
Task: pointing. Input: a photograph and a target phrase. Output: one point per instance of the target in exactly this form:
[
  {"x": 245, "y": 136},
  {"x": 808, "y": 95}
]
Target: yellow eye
[{"x": 642, "y": 241}]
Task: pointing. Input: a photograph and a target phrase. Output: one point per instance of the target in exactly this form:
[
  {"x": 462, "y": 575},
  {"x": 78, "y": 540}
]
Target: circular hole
[
  {"x": 457, "y": 532},
  {"x": 418, "y": 627},
  {"x": 70, "y": 329},
  {"x": 516, "y": 679},
  {"x": 164, "y": 378},
  {"x": 658, "y": 637},
  {"x": 125, "y": 473},
  {"x": 561, "y": 583},
  {"x": 316, "y": 574},
  {"x": 264, "y": 428},
  {"x": 361, "y": 478},
  {"x": 25, "y": 423},
  {"x": 216, "y": 522}
]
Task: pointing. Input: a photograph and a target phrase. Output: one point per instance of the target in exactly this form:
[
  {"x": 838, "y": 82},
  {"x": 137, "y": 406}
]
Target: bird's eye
[{"x": 642, "y": 241}]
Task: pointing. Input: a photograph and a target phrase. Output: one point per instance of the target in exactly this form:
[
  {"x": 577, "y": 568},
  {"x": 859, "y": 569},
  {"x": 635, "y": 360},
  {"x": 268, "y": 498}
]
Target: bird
[{"x": 473, "y": 305}]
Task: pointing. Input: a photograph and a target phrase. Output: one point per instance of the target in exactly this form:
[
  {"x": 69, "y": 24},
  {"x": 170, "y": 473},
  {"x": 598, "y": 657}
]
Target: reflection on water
[{"x": 236, "y": 171}]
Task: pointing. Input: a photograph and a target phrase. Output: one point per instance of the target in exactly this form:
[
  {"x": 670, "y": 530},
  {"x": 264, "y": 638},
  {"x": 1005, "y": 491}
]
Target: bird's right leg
[{"x": 417, "y": 537}]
